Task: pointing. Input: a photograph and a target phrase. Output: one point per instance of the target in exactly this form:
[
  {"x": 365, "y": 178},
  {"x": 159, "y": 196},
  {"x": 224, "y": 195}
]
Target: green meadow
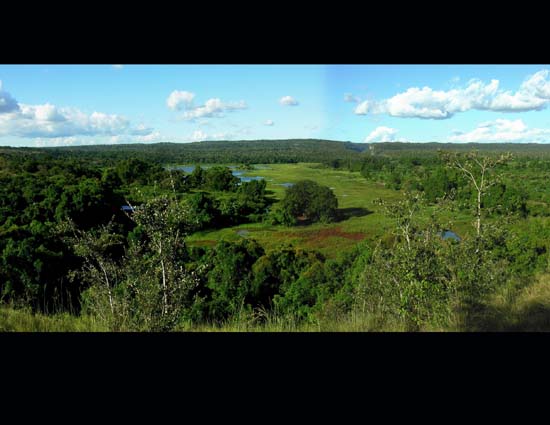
[{"x": 360, "y": 217}]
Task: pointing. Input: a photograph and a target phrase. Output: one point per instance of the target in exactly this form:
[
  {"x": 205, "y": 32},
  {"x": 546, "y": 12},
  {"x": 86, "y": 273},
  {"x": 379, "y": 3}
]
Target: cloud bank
[
  {"x": 502, "y": 130},
  {"x": 426, "y": 103},
  {"x": 50, "y": 121},
  {"x": 381, "y": 134}
]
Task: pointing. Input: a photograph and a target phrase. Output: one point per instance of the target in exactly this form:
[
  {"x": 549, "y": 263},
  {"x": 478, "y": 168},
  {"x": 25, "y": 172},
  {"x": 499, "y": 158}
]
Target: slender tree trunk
[
  {"x": 108, "y": 287},
  {"x": 478, "y": 224},
  {"x": 164, "y": 288},
  {"x": 407, "y": 237}
]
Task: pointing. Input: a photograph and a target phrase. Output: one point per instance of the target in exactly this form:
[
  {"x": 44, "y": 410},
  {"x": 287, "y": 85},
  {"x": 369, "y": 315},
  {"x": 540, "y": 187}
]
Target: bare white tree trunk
[
  {"x": 478, "y": 223},
  {"x": 164, "y": 286},
  {"x": 108, "y": 284}
]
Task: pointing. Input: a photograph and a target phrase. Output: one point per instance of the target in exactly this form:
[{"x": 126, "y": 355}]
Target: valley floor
[{"x": 360, "y": 218}]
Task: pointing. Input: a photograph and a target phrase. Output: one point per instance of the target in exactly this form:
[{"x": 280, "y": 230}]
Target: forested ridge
[
  {"x": 105, "y": 234},
  {"x": 267, "y": 151}
]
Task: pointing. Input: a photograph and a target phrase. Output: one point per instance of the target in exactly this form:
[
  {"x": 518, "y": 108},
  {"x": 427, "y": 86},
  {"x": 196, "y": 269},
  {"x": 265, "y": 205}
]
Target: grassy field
[
  {"x": 23, "y": 320},
  {"x": 361, "y": 218}
]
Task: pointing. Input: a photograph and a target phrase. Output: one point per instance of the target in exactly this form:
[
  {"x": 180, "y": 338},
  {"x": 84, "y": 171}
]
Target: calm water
[
  {"x": 449, "y": 234},
  {"x": 191, "y": 168}
]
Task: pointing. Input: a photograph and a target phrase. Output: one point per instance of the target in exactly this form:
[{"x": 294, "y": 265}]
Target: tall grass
[
  {"x": 276, "y": 322},
  {"x": 24, "y": 320},
  {"x": 526, "y": 309}
]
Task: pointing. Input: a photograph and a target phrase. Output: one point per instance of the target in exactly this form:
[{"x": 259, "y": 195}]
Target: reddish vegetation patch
[{"x": 322, "y": 234}]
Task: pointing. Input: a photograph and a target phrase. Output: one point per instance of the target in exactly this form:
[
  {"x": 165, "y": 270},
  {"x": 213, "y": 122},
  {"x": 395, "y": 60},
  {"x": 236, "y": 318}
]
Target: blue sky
[{"x": 52, "y": 105}]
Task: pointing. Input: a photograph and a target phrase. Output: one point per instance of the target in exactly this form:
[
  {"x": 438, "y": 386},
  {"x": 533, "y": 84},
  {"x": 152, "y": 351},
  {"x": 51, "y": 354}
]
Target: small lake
[
  {"x": 249, "y": 179},
  {"x": 239, "y": 174},
  {"x": 285, "y": 184},
  {"x": 449, "y": 234}
]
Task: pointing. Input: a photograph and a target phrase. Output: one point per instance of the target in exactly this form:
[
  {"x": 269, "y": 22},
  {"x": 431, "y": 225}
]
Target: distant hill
[
  {"x": 266, "y": 151},
  {"x": 237, "y": 151},
  {"x": 428, "y": 147}
]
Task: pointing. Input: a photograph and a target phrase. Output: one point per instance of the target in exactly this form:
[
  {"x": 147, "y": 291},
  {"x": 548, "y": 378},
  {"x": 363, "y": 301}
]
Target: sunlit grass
[{"x": 23, "y": 320}]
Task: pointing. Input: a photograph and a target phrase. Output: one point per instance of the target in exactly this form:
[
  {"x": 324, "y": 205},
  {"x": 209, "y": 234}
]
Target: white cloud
[
  {"x": 363, "y": 108},
  {"x": 42, "y": 113},
  {"x": 381, "y": 134},
  {"x": 502, "y": 130},
  {"x": 269, "y": 122},
  {"x": 51, "y": 122},
  {"x": 7, "y": 103},
  {"x": 455, "y": 80},
  {"x": 533, "y": 94},
  {"x": 538, "y": 84},
  {"x": 348, "y": 97},
  {"x": 141, "y": 130},
  {"x": 221, "y": 136},
  {"x": 118, "y": 66},
  {"x": 213, "y": 108},
  {"x": 288, "y": 101},
  {"x": 152, "y": 137},
  {"x": 57, "y": 141},
  {"x": 179, "y": 100},
  {"x": 198, "y": 136}
]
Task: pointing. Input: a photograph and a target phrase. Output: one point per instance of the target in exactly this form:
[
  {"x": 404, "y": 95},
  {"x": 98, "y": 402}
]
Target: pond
[
  {"x": 249, "y": 179},
  {"x": 191, "y": 168},
  {"x": 285, "y": 184},
  {"x": 449, "y": 234}
]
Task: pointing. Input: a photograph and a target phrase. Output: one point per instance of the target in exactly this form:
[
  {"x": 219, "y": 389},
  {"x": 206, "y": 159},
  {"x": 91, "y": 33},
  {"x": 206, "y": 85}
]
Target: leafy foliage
[{"x": 307, "y": 200}]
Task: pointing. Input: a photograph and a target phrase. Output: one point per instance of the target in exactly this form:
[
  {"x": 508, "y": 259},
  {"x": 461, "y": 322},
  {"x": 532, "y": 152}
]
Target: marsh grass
[{"x": 359, "y": 215}]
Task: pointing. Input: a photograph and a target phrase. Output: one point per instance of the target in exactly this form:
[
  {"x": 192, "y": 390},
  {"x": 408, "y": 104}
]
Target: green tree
[
  {"x": 149, "y": 287},
  {"x": 220, "y": 179},
  {"x": 307, "y": 200},
  {"x": 480, "y": 172},
  {"x": 230, "y": 278}
]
